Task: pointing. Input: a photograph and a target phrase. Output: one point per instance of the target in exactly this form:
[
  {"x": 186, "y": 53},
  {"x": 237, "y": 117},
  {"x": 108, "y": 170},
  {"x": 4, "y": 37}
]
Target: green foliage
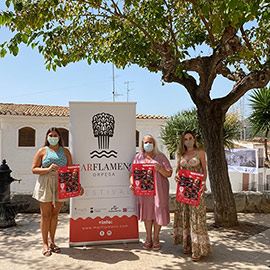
[
  {"x": 260, "y": 117},
  {"x": 127, "y": 32},
  {"x": 172, "y": 131},
  {"x": 231, "y": 129},
  {"x": 188, "y": 120}
]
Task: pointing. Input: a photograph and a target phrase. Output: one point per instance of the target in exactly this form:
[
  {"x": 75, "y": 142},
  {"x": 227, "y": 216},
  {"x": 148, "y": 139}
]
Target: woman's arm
[
  {"x": 68, "y": 156},
  {"x": 176, "y": 178},
  {"x": 131, "y": 181},
  {"x": 164, "y": 172},
  {"x": 36, "y": 165},
  {"x": 164, "y": 167},
  {"x": 203, "y": 162}
]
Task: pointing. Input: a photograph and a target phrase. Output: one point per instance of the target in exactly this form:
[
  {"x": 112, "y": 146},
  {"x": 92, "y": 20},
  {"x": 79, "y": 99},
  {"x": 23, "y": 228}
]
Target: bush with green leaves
[{"x": 172, "y": 131}]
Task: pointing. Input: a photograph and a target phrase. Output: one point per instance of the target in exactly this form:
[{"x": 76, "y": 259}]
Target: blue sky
[{"x": 24, "y": 79}]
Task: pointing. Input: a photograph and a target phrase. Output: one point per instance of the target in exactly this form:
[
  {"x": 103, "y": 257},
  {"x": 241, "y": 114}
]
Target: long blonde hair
[
  {"x": 182, "y": 148},
  {"x": 156, "y": 151}
]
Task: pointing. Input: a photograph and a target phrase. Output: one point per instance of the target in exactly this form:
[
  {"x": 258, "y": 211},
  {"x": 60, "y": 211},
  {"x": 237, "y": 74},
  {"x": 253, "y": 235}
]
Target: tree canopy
[{"x": 154, "y": 34}]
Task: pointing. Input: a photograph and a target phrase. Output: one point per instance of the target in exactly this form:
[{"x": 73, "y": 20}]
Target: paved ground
[{"x": 20, "y": 248}]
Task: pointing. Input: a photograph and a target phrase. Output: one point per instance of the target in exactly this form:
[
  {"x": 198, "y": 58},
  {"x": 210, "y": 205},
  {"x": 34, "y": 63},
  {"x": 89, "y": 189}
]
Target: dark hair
[
  {"x": 46, "y": 143},
  {"x": 182, "y": 148}
]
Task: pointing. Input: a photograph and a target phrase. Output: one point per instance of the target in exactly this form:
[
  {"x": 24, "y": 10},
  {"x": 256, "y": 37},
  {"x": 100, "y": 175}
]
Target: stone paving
[{"x": 20, "y": 248}]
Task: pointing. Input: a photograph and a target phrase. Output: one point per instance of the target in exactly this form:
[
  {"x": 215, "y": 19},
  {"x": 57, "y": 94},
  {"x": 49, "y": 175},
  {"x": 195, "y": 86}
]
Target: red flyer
[
  {"x": 144, "y": 182},
  {"x": 189, "y": 187},
  {"x": 68, "y": 181}
]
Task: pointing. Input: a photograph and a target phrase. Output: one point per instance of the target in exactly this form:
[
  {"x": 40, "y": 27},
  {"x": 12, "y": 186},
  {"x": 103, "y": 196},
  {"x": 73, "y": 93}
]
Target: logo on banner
[
  {"x": 103, "y": 129},
  {"x": 115, "y": 209}
]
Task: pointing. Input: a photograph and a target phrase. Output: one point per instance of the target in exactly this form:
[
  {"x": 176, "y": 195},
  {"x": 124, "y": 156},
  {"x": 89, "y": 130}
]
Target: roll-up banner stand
[{"x": 103, "y": 143}]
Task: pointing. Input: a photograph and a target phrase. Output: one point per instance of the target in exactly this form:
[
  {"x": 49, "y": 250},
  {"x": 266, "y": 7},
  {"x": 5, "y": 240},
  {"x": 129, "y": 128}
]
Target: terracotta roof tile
[
  {"x": 146, "y": 116},
  {"x": 46, "y": 110},
  {"x": 33, "y": 110}
]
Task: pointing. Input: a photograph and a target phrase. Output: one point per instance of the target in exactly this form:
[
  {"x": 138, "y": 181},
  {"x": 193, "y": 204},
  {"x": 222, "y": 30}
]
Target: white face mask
[
  {"x": 53, "y": 140},
  {"x": 189, "y": 144},
  {"x": 148, "y": 147}
]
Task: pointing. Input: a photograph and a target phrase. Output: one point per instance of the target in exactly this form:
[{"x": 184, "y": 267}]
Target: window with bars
[{"x": 27, "y": 137}]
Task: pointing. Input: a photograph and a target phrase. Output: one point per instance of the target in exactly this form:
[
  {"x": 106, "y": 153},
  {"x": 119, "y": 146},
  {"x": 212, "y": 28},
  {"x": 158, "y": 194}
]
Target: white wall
[{"x": 20, "y": 159}]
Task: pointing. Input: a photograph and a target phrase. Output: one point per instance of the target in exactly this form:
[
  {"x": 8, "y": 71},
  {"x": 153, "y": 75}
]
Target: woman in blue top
[{"x": 46, "y": 163}]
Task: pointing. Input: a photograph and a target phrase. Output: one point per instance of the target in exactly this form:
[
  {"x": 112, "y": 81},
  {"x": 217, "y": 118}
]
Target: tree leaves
[
  {"x": 128, "y": 33},
  {"x": 3, "y": 52},
  {"x": 260, "y": 116}
]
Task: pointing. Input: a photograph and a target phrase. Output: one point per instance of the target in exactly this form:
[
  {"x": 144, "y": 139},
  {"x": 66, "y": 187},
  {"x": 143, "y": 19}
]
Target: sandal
[
  {"x": 46, "y": 252},
  {"x": 156, "y": 246},
  {"x": 195, "y": 258},
  {"x": 54, "y": 248},
  {"x": 187, "y": 251},
  {"x": 147, "y": 245}
]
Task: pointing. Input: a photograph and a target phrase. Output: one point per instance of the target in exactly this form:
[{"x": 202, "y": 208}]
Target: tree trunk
[{"x": 211, "y": 120}]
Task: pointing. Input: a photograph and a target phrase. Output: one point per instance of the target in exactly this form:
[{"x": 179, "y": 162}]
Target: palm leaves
[
  {"x": 260, "y": 103},
  {"x": 260, "y": 117},
  {"x": 172, "y": 131}
]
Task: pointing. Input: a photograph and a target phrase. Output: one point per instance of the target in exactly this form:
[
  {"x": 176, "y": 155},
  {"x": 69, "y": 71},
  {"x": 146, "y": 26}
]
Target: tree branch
[
  {"x": 171, "y": 29},
  {"x": 255, "y": 79},
  {"x": 116, "y": 7},
  {"x": 117, "y": 12},
  {"x": 194, "y": 64},
  {"x": 227, "y": 73},
  {"x": 207, "y": 26},
  {"x": 249, "y": 45},
  {"x": 188, "y": 82}
]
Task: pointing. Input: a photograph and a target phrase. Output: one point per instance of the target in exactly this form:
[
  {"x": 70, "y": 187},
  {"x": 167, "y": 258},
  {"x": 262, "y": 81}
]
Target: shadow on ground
[{"x": 20, "y": 246}]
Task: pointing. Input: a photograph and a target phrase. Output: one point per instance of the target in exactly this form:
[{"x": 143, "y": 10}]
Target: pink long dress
[{"x": 155, "y": 207}]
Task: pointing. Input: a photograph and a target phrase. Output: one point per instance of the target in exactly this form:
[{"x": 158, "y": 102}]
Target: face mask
[
  {"x": 53, "y": 140},
  {"x": 148, "y": 147},
  {"x": 189, "y": 144}
]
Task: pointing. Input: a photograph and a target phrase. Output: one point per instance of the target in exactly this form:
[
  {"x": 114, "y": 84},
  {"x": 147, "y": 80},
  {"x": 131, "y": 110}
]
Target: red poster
[
  {"x": 69, "y": 181},
  {"x": 189, "y": 187},
  {"x": 144, "y": 179}
]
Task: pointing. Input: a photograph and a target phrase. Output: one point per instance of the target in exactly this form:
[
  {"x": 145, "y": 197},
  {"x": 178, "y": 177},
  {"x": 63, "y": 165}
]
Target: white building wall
[{"x": 20, "y": 159}]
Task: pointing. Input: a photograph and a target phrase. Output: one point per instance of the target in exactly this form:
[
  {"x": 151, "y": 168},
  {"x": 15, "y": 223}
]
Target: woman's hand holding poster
[
  {"x": 144, "y": 183},
  {"x": 69, "y": 181},
  {"x": 189, "y": 187}
]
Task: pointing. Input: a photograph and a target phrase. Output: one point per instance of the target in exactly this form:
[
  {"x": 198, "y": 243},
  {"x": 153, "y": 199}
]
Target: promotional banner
[
  {"x": 68, "y": 181},
  {"x": 144, "y": 179},
  {"x": 103, "y": 143},
  {"x": 242, "y": 160},
  {"x": 189, "y": 187}
]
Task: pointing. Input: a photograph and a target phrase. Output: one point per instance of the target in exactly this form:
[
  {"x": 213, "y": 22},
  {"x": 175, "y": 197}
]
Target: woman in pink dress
[{"x": 154, "y": 210}]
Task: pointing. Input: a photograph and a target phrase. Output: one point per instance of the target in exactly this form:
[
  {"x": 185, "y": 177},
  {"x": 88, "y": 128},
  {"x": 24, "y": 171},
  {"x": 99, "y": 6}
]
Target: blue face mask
[
  {"x": 53, "y": 140},
  {"x": 148, "y": 147}
]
